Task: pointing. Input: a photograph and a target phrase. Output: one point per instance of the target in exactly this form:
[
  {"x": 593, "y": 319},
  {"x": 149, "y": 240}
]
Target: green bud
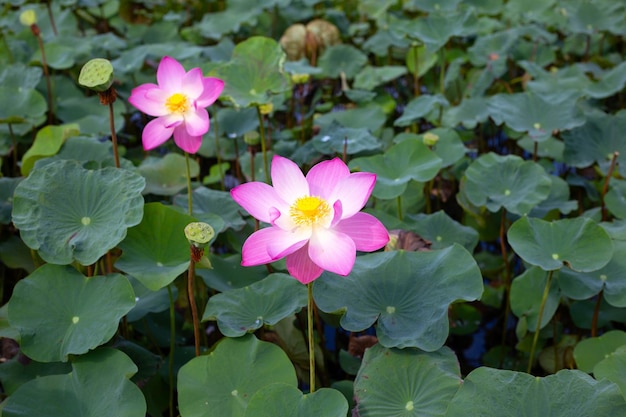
[
  {"x": 252, "y": 138},
  {"x": 28, "y": 17},
  {"x": 430, "y": 139},
  {"x": 96, "y": 74}
]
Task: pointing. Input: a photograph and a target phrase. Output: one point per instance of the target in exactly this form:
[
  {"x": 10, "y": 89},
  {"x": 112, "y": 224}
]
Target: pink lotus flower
[
  {"x": 179, "y": 102},
  {"x": 315, "y": 220}
]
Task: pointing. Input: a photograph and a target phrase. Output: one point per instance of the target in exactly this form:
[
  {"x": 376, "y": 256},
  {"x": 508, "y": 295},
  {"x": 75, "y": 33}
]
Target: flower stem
[
  {"x": 192, "y": 303},
  {"x": 44, "y": 64},
  {"x": 311, "y": 339},
  {"x": 263, "y": 144},
  {"x": 544, "y": 298},
  {"x": 113, "y": 134},
  {"x": 217, "y": 152},
  {"x": 189, "y": 196},
  {"x": 507, "y": 284},
  {"x": 399, "y": 204},
  {"x": 170, "y": 365}
]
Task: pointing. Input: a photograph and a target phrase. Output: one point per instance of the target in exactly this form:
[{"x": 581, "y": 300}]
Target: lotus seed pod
[
  {"x": 252, "y": 138},
  {"x": 96, "y": 74},
  {"x": 300, "y": 78},
  {"x": 199, "y": 234},
  {"x": 28, "y": 17},
  {"x": 293, "y": 41},
  {"x": 430, "y": 139},
  {"x": 325, "y": 32}
]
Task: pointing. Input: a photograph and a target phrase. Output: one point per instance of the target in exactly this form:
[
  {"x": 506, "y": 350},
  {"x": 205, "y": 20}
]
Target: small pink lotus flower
[
  {"x": 179, "y": 102},
  {"x": 315, "y": 220}
]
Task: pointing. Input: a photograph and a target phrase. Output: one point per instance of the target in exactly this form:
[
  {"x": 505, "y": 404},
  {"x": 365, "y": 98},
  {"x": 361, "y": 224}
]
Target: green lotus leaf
[
  {"x": 15, "y": 254},
  {"x": 611, "y": 82},
  {"x": 223, "y": 382},
  {"x": 89, "y": 151},
  {"x": 335, "y": 138},
  {"x": 421, "y": 59},
  {"x": 20, "y": 75},
  {"x": 430, "y": 5},
  {"x": 288, "y": 401},
  {"x": 246, "y": 309},
  {"x": 227, "y": 273},
  {"x": 534, "y": 115},
  {"x": 156, "y": 251},
  {"x": 369, "y": 117},
  {"x": 582, "y": 313},
  {"x": 371, "y": 77},
  {"x": 423, "y": 382},
  {"x": 98, "y": 386},
  {"x": 507, "y": 181},
  {"x": 437, "y": 28},
  {"x": 70, "y": 213},
  {"x": 492, "y": 50},
  {"x": 341, "y": 58},
  {"x": 254, "y": 74},
  {"x": 442, "y": 230},
  {"x": 411, "y": 302},
  {"x": 550, "y": 148},
  {"x": 62, "y": 52},
  {"x": 148, "y": 301},
  {"x": 471, "y": 112},
  {"x": 613, "y": 368},
  {"x": 59, "y": 312},
  {"x": 615, "y": 199},
  {"x": 215, "y": 25},
  {"x": 47, "y": 143},
  {"x": 526, "y": 293},
  {"x": 448, "y": 146},
  {"x": 610, "y": 279},
  {"x": 216, "y": 173},
  {"x": 236, "y": 122},
  {"x": 19, "y": 105},
  {"x": 589, "y": 352},
  {"x": 406, "y": 161},
  {"x": 167, "y": 175},
  {"x": 591, "y": 17},
  {"x": 220, "y": 204},
  {"x": 558, "y": 199},
  {"x": 14, "y": 373},
  {"x": 487, "y": 391},
  {"x": 596, "y": 141},
  {"x": 578, "y": 243},
  {"x": 421, "y": 107}
]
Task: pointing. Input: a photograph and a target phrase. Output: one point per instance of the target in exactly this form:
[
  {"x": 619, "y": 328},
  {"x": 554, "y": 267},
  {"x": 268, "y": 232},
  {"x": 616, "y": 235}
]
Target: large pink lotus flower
[
  {"x": 315, "y": 220},
  {"x": 179, "y": 103}
]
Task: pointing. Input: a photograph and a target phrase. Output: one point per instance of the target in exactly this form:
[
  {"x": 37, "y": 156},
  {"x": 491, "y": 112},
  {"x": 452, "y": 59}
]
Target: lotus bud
[
  {"x": 300, "y": 78},
  {"x": 28, "y": 18},
  {"x": 252, "y": 138},
  {"x": 266, "y": 108},
  {"x": 430, "y": 139}
]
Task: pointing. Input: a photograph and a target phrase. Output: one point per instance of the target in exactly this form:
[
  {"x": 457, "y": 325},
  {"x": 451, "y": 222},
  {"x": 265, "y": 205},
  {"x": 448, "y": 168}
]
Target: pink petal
[
  {"x": 332, "y": 251},
  {"x": 258, "y": 198},
  {"x": 156, "y": 133},
  {"x": 185, "y": 141},
  {"x": 285, "y": 243},
  {"x": 323, "y": 177},
  {"x": 197, "y": 122},
  {"x": 353, "y": 191},
  {"x": 212, "y": 89},
  {"x": 288, "y": 180},
  {"x": 254, "y": 251},
  {"x": 170, "y": 74},
  {"x": 191, "y": 84},
  {"x": 367, "y": 232},
  {"x": 142, "y": 98},
  {"x": 301, "y": 267}
]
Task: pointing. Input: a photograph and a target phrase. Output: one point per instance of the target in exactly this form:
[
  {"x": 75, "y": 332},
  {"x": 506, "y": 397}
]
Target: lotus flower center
[
  {"x": 309, "y": 210},
  {"x": 177, "y": 103}
]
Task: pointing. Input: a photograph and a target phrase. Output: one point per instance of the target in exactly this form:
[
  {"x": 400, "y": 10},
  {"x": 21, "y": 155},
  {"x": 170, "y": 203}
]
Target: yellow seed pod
[
  {"x": 28, "y": 17},
  {"x": 430, "y": 139},
  {"x": 266, "y": 108}
]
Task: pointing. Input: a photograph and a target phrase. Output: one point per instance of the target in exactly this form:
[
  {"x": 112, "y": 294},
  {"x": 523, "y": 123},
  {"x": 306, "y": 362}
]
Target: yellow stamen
[
  {"x": 177, "y": 103},
  {"x": 309, "y": 210}
]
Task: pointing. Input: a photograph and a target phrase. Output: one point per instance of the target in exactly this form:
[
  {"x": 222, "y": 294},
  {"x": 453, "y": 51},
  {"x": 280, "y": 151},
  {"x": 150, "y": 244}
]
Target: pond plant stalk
[{"x": 544, "y": 298}]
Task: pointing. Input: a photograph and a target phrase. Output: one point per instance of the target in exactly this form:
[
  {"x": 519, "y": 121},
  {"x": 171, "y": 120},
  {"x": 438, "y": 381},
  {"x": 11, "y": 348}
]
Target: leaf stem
[
  {"x": 309, "y": 315},
  {"x": 113, "y": 135},
  {"x": 263, "y": 144},
  {"x": 507, "y": 283},
  {"x": 192, "y": 303},
  {"x": 544, "y": 298},
  {"x": 596, "y": 314},
  {"x": 170, "y": 365},
  {"x": 605, "y": 187},
  {"x": 217, "y": 151}
]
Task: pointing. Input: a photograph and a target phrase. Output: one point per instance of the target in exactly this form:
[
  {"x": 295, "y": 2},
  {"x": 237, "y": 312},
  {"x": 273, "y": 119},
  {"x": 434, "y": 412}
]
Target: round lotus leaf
[
  {"x": 492, "y": 392},
  {"x": 371, "y": 77},
  {"x": 615, "y": 199},
  {"x": 507, "y": 181},
  {"x": 442, "y": 230},
  {"x": 254, "y": 72},
  {"x": 421, "y": 107},
  {"x": 534, "y": 115},
  {"x": 246, "y": 309},
  {"x": 167, "y": 175},
  {"x": 70, "y": 213},
  {"x": 212, "y": 206},
  {"x": 423, "y": 57},
  {"x": 98, "y": 386},
  {"x": 89, "y": 151},
  {"x": 582, "y": 313},
  {"x": 59, "y": 312},
  {"x": 411, "y": 303},
  {"x": 447, "y": 144},
  {"x": 156, "y": 251},
  {"x": 47, "y": 143},
  {"x": 596, "y": 141},
  {"x": 19, "y": 105},
  {"x": 558, "y": 199},
  {"x": 288, "y": 401},
  {"x": 613, "y": 368},
  {"x": 7, "y": 188},
  {"x": 578, "y": 243},
  {"x": 526, "y": 294},
  {"x": 469, "y": 113},
  {"x": 148, "y": 301},
  {"x": 370, "y": 117},
  {"x": 223, "y": 382},
  {"x": 335, "y": 138},
  {"x": 341, "y": 58},
  {"x": 407, "y": 382},
  {"x": 227, "y": 273},
  {"x": 589, "y": 352},
  {"x": 406, "y": 161},
  {"x": 14, "y": 373}
]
